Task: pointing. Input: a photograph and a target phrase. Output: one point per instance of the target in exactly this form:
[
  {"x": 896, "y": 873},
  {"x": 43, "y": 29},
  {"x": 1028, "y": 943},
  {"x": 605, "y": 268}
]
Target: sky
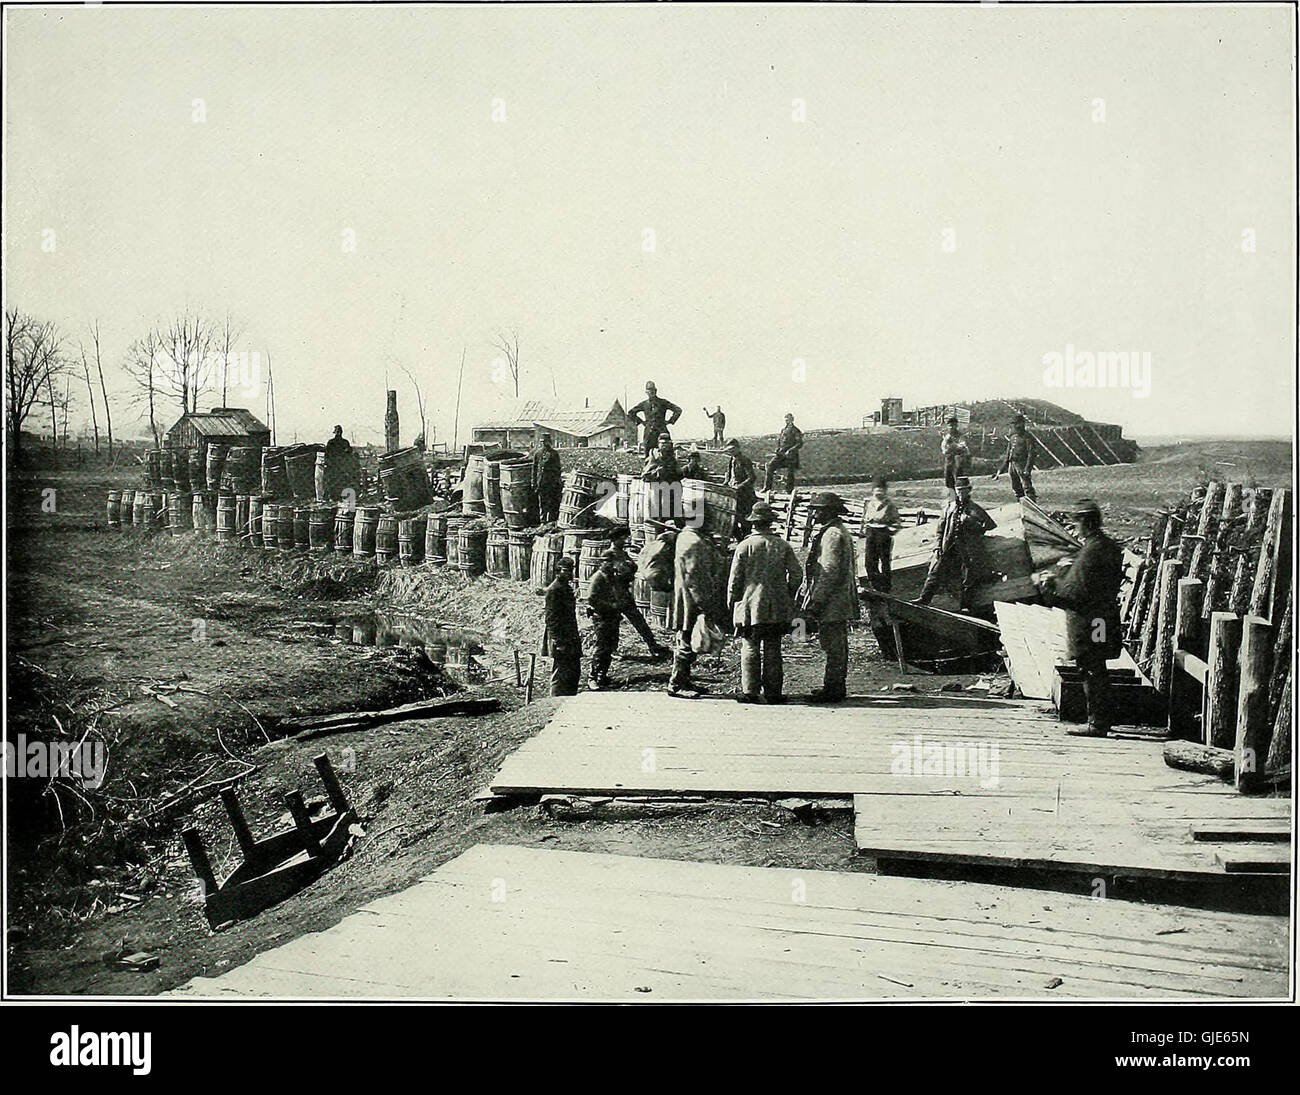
[{"x": 800, "y": 208}]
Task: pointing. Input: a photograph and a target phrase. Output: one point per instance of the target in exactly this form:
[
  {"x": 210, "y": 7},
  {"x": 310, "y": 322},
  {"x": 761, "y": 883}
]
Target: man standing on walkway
[
  {"x": 788, "y": 444},
  {"x": 547, "y": 480},
  {"x": 719, "y": 421},
  {"x": 960, "y": 529},
  {"x": 765, "y": 574},
  {"x": 829, "y": 596},
  {"x": 625, "y": 574},
  {"x": 694, "y": 591},
  {"x": 1089, "y": 593},
  {"x": 880, "y": 520},
  {"x": 742, "y": 478},
  {"x": 956, "y": 456},
  {"x": 560, "y": 639},
  {"x": 654, "y": 414},
  {"x": 1021, "y": 449},
  {"x": 605, "y": 608}
]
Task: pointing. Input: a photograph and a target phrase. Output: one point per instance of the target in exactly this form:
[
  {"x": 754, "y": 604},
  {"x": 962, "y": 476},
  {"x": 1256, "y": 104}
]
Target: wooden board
[
  {"x": 502, "y": 922},
  {"x": 1011, "y": 764},
  {"x": 1034, "y": 638}
]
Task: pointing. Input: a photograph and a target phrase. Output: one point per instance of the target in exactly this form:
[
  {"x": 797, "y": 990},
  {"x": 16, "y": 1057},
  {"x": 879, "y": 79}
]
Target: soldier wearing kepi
[
  {"x": 625, "y": 573},
  {"x": 788, "y": 444},
  {"x": 547, "y": 480},
  {"x": 829, "y": 595},
  {"x": 960, "y": 528},
  {"x": 605, "y": 609},
  {"x": 560, "y": 641},
  {"x": 742, "y": 477},
  {"x": 765, "y": 574},
  {"x": 654, "y": 414},
  {"x": 1019, "y": 460},
  {"x": 1089, "y": 593}
]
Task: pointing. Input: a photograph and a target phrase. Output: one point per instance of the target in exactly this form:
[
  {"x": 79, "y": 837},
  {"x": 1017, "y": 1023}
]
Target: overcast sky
[{"x": 971, "y": 189}]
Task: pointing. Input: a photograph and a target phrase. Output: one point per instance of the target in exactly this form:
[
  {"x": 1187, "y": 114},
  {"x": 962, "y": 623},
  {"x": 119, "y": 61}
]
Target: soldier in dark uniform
[
  {"x": 1019, "y": 460},
  {"x": 655, "y": 415},
  {"x": 742, "y": 477},
  {"x": 719, "y": 426},
  {"x": 960, "y": 528},
  {"x": 547, "y": 480},
  {"x": 625, "y": 573},
  {"x": 605, "y": 608},
  {"x": 788, "y": 444},
  {"x": 694, "y": 466},
  {"x": 1089, "y": 593},
  {"x": 560, "y": 640}
]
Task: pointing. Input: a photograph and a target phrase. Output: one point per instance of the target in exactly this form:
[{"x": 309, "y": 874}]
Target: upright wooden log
[
  {"x": 1247, "y": 548},
  {"x": 1281, "y": 655},
  {"x": 238, "y": 822},
  {"x": 1220, "y": 717},
  {"x": 1171, "y": 570},
  {"x": 1185, "y": 693},
  {"x": 1254, "y": 670},
  {"x": 198, "y": 854},
  {"x": 1279, "y": 746},
  {"x": 1207, "y": 528},
  {"x": 1267, "y": 574},
  {"x": 302, "y": 822},
  {"x": 1218, "y": 577},
  {"x": 1147, "y": 645},
  {"x": 1204, "y": 501}
]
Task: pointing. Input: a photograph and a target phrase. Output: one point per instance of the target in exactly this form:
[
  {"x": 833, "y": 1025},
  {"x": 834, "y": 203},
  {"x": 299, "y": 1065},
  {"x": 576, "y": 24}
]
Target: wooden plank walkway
[
  {"x": 933, "y": 777},
  {"x": 505, "y": 922}
]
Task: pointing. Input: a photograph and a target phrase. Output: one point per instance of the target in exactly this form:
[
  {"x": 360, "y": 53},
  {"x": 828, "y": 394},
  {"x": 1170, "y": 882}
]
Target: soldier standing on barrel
[{"x": 547, "y": 481}]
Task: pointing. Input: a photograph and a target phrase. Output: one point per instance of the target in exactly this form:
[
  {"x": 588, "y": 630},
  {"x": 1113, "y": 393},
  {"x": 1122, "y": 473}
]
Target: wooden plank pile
[
  {"x": 1209, "y": 616},
  {"x": 794, "y": 516}
]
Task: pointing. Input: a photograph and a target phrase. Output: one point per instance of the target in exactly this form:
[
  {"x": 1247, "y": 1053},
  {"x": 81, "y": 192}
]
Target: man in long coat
[
  {"x": 548, "y": 482},
  {"x": 560, "y": 641},
  {"x": 694, "y": 593},
  {"x": 765, "y": 573},
  {"x": 829, "y": 595}
]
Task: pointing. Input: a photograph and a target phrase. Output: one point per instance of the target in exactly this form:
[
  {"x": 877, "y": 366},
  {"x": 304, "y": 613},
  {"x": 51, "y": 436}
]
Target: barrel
[
  {"x": 636, "y": 502},
  {"x": 520, "y": 552},
  {"x": 253, "y": 532},
  {"x": 576, "y": 500},
  {"x": 344, "y": 523},
  {"x": 216, "y": 463},
  {"x": 363, "y": 531},
  {"x": 622, "y": 502},
  {"x": 435, "y": 540},
  {"x": 471, "y": 550},
  {"x": 284, "y": 526},
  {"x": 140, "y": 509},
  {"x": 197, "y": 469},
  {"x": 199, "y": 511},
  {"x": 225, "y": 517},
  {"x": 589, "y": 562},
  {"x": 180, "y": 469},
  {"x": 153, "y": 467},
  {"x": 275, "y": 481},
  {"x": 498, "y": 552},
  {"x": 547, "y": 550},
  {"x": 322, "y": 477},
  {"x": 115, "y": 509},
  {"x": 663, "y": 501},
  {"x": 655, "y": 605},
  {"x": 709, "y": 507},
  {"x": 411, "y": 532},
  {"x": 574, "y": 539},
  {"x": 166, "y": 473},
  {"x": 180, "y": 517},
  {"x": 243, "y": 468},
  {"x": 241, "y": 517},
  {"x": 320, "y": 526},
  {"x": 302, "y": 526},
  {"x": 300, "y": 470},
  {"x": 471, "y": 487},
  {"x": 156, "y": 511},
  {"x": 386, "y": 538},
  {"x": 518, "y": 501},
  {"x": 404, "y": 481},
  {"x": 270, "y": 525}
]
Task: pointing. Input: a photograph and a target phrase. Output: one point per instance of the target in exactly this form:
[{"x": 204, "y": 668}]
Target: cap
[
  {"x": 962, "y": 482},
  {"x": 650, "y": 386},
  {"x": 732, "y": 443},
  {"x": 1086, "y": 507},
  {"x": 762, "y": 514},
  {"x": 565, "y": 561},
  {"x": 828, "y": 499},
  {"x": 619, "y": 531}
]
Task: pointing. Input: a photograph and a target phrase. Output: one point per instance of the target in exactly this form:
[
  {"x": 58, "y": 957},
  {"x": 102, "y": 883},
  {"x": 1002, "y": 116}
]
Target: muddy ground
[{"x": 94, "y": 615}]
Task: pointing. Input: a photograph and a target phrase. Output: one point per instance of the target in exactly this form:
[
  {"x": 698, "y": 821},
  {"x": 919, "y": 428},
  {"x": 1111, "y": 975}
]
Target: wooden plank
[{"x": 515, "y": 922}]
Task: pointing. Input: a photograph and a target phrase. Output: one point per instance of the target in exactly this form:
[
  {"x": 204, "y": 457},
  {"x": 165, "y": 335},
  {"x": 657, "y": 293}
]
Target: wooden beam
[
  {"x": 198, "y": 854},
  {"x": 243, "y": 834},
  {"x": 1218, "y": 574},
  {"x": 1194, "y": 548},
  {"x": 1190, "y": 756},
  {"x": 1220, "y": 710},
  {"x": 1166, "y": 607},
  {"x": 1267, "y": 571},
  {"x": 1248, "y": 546},
  {"x": 1254, "y": 670},
  {"x": 1279, "y": 746},
  {"x": 1185, "y": 692}
]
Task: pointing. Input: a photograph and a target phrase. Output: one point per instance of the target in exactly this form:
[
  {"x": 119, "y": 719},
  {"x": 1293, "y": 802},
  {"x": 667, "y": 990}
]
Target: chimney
[{"x": 392, "y": 435}]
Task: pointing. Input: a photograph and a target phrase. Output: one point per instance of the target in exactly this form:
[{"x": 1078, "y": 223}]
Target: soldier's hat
[
  {"x": 1086, "y": 507},
  {"x": 732, "y": 443},
  {"x": 828, "y": 499},
  {"x": 565, "y": 561},
  {"x": 650, "y": 386},
  {"x": 619, "y": 531},
  {"x": 762, "y": 514},
  {"x": 962, "y": 482}
]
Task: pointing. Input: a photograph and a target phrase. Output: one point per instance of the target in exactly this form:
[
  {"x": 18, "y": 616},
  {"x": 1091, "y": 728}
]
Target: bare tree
[
  {"x": 143, "y": 365},
  {"x": 509, "y": 345},
  {"x": 229, "y": 333},
  {"x": 108, "y": 410},
  {"x": 90, "y": 394},
  {"x": 184, "y": 361},
  {"x": 420, "y": 404},
  {"x": 33, "y": 358}
]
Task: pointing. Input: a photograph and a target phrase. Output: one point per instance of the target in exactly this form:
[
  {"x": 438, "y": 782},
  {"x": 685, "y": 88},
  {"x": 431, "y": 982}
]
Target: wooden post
[
  {"x": 1282, "y": 656},
  {"x": 1267, "y": 574},
  {"x": 1221, "y": 681},
  {"x": 1279, "y": 746},
  {"x": 1171, "y": 570},
  {"x": 243, "y": 833},
  {"x": 199, "y": 860},
  {"x": 1185, "y": 693},
  {"x": 1148, "y": 618},
  {"x": 789, "y": 514},
  {"x": 331, "y": 783},
  {"x": 302, "y": 822},
  {"x": 519, "y": 672},
  {"x": 1206, "y": 527},
  {"x": 898, "y": 645},
  {"x": 1219, "y": 572},
  {"x": 532, "y": 672},
  {"x": 1244, "y": 571},
  {"x": 1255, "y": 665}
]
